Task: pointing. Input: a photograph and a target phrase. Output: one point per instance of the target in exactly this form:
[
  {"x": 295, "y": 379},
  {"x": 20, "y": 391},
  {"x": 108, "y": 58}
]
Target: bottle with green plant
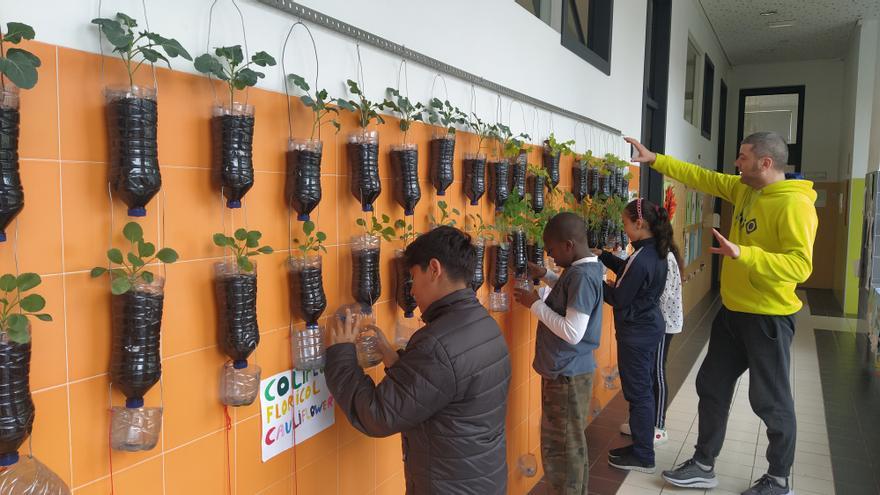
[
  {"x": 365, "y": 251},
  {"x": 132, "y": 112},
  {"x": 553, "y": 150},
  {"x": 232, "y": 124},
  {"x": 135, "y": 361},
  {"x": 235, "y": 289},
  {"x": 18, "y": 70},
  {"x": 363, "y": 147},
  {"x": 445, "y": 118},
  {"x": 307, "y": 297},
  {"x": 403, "y": 283},
  {"x": 538, "y": 179},
  {"x": 474, "y": 164},
  {"x": 405, "y": 156}
]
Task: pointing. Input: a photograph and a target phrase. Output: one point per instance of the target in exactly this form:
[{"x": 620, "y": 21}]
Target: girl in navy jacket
[{"x": 639, "y": 323}]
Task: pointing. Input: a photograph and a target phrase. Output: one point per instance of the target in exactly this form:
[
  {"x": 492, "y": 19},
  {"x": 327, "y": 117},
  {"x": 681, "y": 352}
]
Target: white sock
[
  {"x": 781, "y": 480},
  {"x": 703, "y": 466}
]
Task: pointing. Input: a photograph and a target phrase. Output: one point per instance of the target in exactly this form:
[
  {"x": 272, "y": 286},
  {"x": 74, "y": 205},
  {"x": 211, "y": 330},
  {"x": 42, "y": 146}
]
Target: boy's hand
[
  {"x": 526, "y": 297},
  {"x": 536, "y": 271},
  {"x": 389, "y": 355},
  {"x": 345, "y": 333}
]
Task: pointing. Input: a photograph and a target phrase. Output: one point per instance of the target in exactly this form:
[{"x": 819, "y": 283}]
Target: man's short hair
[
  {"x": 567, "y": 226},
  {"x": 770, "y": 144},
  {"x": 448, "y": 245}
]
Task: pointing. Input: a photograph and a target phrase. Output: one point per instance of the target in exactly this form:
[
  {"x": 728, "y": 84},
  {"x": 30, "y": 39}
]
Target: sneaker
[
  {"x": 629, "y": 462},
  {"x": 660, "y": 437},
  {"x": 689, "y": 475},
  {"x": 620, "y": 452},
  {"x": 766, "y": 485}
]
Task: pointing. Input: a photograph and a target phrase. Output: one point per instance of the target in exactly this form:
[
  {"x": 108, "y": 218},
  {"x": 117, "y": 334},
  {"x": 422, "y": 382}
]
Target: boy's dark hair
[
  {"x": 567, "y": 226},
  {"x": 448, "y": 245}
]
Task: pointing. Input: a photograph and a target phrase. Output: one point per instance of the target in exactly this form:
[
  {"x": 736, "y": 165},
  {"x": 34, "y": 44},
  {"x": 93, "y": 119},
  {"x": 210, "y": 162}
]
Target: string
[
  {"x": 208, "y": 46},
  {"x": 284, "y": 73}
]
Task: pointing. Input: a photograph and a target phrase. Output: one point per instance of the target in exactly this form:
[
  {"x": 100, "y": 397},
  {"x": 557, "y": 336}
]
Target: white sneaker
[{"x": 660, "y": 436}]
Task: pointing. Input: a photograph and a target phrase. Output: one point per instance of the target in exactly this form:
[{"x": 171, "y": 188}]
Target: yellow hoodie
[{"x": 775, "y": 228}]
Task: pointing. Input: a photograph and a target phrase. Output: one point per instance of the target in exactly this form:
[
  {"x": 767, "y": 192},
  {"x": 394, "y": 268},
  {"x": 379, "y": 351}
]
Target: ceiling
[{"x": 820, "y": 29}]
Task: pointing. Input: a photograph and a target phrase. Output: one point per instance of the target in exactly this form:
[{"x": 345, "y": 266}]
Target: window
[
  {"x": 690, "y": 84},
  {"x": 708, "y": 93},
  {"x": 584, "y": 26},
  {"x": 777, "y": 113}
]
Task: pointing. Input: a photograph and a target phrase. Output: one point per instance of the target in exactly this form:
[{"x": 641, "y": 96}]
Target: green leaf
[
  {"x": 254, "y": 237},
  {"x": 308, "y": 101},
  {"x": 15, "y": 31},
  {"x": 146, "y": 249},
  {"x": 207, "y": 64},
  {"x": 133, "y": 232},
  {"x": 263, "y": 59},
  {"x": 174, "y": 49},
  {"x": 346, "y": 105},
  {"x": 321, "y": 237},
  {"x": 240, "y": 234},
  {"x": 308, "y": 227},
  {"x": 32, "y": 303},
  {"x": 27, "y": 281},
  {"x": 232, "y": 54},
  {"x": 353, "y": 87},
  {"x": 147, "y": 276},
  {"x": 19, "y": 67},
  {"x": 245, "y": 264},
  {"x": 388, "y": 231},
  {"x": 120, "y": 285},
  {"x": 220, "y": 240},
  {"x": 266, "y": 250},
  {"x": 7, "y": 283},
  {"x": 115, "y": 34},
  {"x": 18, "y": 328},
  {"x": 361, "y": 222},
  {"x": 98, "y": 271},
  {"x": 298, "y": 81},
  {"x": 167, "y": 255},
  {"x": 44, "y": 317},
  {"x": 247, "y": 78},
  {"x": 128, "y": 21},
  {"x": 153, "y": 56},
  {"x": 135, "y": 261}
]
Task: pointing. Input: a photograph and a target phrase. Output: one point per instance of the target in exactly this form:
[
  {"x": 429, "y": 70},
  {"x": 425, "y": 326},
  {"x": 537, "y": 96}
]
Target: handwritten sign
[{"x": 296, "y": 405}]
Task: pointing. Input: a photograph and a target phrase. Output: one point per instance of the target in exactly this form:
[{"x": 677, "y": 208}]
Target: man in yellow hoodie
[{"x": 769, "y": 251}]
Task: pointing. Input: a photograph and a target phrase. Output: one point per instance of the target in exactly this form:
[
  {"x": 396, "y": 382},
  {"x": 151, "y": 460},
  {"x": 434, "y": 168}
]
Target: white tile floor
[{"x": 742, "y": 458}]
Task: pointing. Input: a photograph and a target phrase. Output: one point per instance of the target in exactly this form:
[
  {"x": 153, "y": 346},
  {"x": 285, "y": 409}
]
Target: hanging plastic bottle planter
[
  {"x": 592, "y": 180},
  {"x": 14, "y": 74},
  {"x": 579, "y": 180},
  {"x": 518, "y": 247},
  {"x": 480, "y": 249},
  {"x": 238, "y": 331},
  {"x": 366, "y": 284},
  {"x": 135, "y": 362},
  {"x": 499, "y": 300},
  {"x": 500, "y": 176},
  {"x": 232, "y": 125},
  {"x": 405, "y": 163},
  {"x": 536, "y": 255},
  {"x": 445, "y": 116},
  {"x": 132, "y": 113},
  {"x": 519, "y": 172},
  {"x": 474, "y": 177},
  {"x": 405, "y": 157},
  {"x": 16, "y": 405},
  {"x": 308, "y": 300},
  {"x": 363, "y": 148},
  {"x": 408, "y": 324},
  {"x": 604, "y": 189},
  {"x": 553, "y": 150},
  {"x": 537, "y": 182}
]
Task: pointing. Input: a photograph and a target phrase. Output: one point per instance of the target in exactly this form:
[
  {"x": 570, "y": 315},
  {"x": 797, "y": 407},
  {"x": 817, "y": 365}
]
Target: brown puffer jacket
[{"x": 447, "y": 395}]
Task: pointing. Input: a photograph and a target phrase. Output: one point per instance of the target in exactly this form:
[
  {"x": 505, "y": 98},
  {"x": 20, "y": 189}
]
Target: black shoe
[
  {"x": 689, "y": 474},
  {"x": 629, "y": 462},
  {"x": 766, "y": 485},
  {"x": 620, "y": 452}
]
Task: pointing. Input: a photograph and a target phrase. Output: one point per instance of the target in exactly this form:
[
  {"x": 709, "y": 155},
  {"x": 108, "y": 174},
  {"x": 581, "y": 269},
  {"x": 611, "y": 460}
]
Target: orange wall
[{"x": 65, "y": 229}]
